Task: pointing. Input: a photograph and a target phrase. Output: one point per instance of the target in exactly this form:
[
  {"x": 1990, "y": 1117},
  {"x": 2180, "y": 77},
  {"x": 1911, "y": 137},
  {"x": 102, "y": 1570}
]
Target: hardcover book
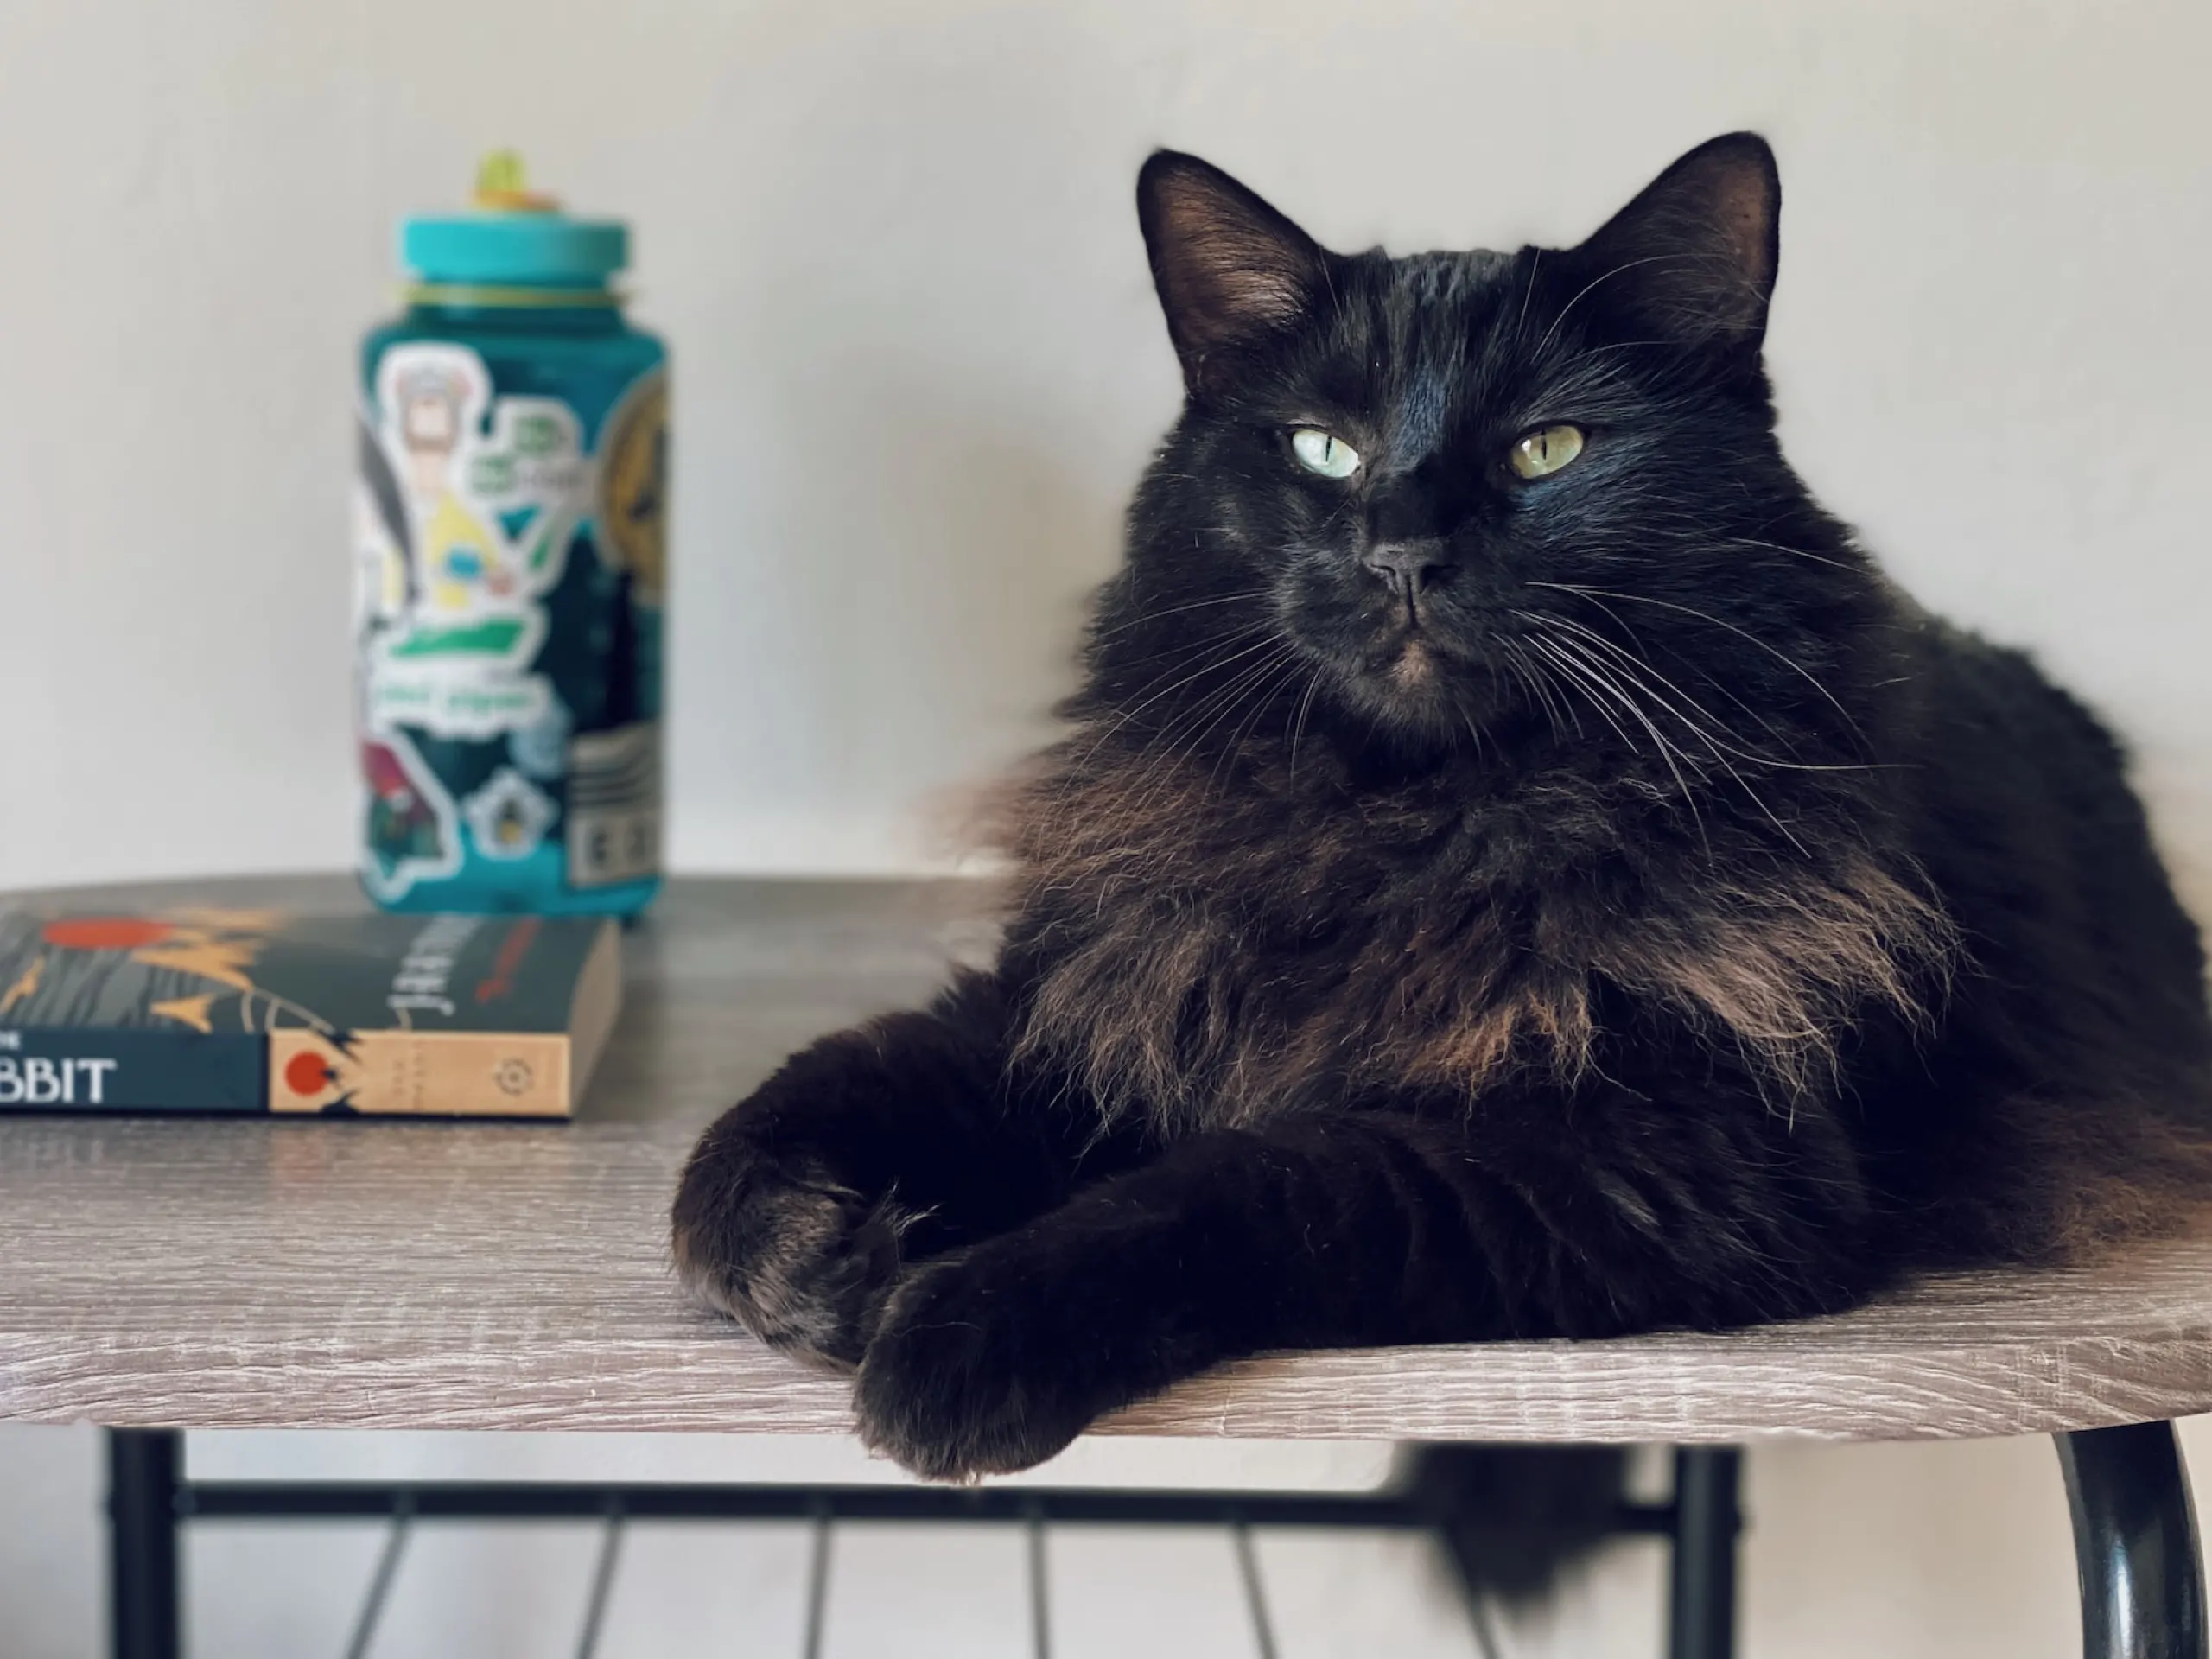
[{"x": 219, "y": 1010}]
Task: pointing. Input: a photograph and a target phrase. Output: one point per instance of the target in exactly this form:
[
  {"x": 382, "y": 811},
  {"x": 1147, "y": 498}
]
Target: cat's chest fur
[{"x": 1207, "y": 955}]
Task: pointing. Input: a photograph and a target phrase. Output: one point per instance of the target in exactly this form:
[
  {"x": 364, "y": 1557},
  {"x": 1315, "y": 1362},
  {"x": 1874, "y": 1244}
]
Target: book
[{"x": 208, "y": 1009}]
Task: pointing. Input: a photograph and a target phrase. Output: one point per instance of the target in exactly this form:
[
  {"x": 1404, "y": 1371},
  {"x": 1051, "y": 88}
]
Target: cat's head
[{"x": 1431, "y": 496}]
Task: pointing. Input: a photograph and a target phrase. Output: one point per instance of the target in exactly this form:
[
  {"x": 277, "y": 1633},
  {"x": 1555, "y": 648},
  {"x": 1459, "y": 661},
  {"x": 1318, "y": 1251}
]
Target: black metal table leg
[
  {"x": 142, "y": 1493},
  {"x": 1701, "y": 1589},
  {"x": 2135, "y": 1546}
]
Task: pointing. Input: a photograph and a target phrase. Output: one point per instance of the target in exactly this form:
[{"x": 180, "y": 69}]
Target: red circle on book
[
  {"x": 306, "y": 1074},
  {"x": 107, "y": 932}
]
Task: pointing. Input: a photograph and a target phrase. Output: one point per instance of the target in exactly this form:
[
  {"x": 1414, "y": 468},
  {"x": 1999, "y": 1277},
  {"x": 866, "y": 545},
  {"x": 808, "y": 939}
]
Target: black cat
[{"x": 1518, "y": 869}]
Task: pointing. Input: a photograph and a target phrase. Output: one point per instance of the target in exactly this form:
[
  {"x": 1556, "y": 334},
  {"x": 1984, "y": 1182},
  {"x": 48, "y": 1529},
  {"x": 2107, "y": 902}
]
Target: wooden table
[{"x": 178, "y": 1273}]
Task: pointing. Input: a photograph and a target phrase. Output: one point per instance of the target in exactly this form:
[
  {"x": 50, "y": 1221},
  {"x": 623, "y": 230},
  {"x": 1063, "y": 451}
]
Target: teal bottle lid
[{"x": 517, "y": 238}]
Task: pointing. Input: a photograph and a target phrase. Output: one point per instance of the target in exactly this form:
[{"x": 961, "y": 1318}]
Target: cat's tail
[{"x": 1514, "y": 1519}]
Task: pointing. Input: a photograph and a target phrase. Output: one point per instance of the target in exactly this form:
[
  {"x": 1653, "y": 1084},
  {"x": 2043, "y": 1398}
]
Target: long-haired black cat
[{"x": 1518, "y": 869}]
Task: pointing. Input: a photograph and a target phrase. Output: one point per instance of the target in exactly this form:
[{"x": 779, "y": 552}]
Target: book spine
[
  {"x": 420, "y": 1073},
  {"x": 45, "y": 1069}
]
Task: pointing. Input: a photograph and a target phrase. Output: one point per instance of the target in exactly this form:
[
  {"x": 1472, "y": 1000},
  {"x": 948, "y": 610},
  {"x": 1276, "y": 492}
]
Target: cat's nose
[{"x": 1409, "y": 567}]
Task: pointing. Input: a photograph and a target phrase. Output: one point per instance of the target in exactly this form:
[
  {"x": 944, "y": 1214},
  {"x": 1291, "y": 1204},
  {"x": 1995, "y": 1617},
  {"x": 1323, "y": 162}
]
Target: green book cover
[{"x": 227, "y": 1010}]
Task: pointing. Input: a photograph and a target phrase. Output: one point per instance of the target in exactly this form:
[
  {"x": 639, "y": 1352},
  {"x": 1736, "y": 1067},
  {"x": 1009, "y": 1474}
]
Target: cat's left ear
[{"x": 1694, "y": 254}]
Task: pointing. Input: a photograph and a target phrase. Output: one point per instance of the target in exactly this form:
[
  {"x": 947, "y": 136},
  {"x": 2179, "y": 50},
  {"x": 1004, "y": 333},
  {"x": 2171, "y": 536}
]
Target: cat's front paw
[
  {"x": 968, "y": 1374},
  {"x": 802, "y": 1260}
]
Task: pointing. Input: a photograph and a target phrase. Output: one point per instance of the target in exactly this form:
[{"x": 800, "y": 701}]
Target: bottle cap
[{"x": 517, "y": 238}]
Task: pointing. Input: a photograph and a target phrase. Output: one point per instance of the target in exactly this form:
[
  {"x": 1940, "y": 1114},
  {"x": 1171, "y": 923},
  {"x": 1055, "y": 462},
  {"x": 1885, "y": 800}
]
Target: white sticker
[
  {"x": 509, "y": 817},
  {"x": 462, "y": 526}
]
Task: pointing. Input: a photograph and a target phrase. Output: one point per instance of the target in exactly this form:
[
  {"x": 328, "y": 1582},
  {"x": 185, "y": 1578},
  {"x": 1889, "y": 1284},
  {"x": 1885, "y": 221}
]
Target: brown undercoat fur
[{"x": 1163, "y": 993}]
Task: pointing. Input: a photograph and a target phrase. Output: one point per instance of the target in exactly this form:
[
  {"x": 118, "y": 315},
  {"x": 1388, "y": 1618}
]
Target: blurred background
[{"x": 917, "y": 369}]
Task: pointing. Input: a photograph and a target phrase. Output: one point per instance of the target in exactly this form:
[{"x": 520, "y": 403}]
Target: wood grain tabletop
[{"x": 243, "y": 1272}]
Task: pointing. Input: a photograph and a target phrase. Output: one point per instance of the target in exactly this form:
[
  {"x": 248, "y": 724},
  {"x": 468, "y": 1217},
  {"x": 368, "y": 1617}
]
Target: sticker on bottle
[
  {"x": 508, "y": 818},
  {"x": 633, "y": 487},
  {"x": 464, "y": 526},
  {"x": 409, "y": 831},
  {"x": 614, "y": 794}
]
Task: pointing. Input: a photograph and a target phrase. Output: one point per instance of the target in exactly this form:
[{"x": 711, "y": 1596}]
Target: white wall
[{"x": 919, "y": 366}]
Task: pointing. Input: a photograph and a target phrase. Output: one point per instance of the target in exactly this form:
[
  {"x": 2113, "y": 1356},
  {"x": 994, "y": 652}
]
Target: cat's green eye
[
  {"x": 1541, "y": 454},
  {"x": 1317, "y": 452}
]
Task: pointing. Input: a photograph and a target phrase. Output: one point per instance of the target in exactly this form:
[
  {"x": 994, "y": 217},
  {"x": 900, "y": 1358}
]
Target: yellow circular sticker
[{"x": 634, "y": 487}]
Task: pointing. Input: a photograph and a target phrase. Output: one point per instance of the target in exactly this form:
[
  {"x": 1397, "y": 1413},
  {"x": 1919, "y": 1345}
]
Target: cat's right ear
[{"x": 1232, "y": 271}]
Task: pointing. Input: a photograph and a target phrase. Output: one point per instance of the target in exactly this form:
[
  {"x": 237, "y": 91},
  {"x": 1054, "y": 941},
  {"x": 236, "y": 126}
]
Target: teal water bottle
[{"x": 510, "y": 556}]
